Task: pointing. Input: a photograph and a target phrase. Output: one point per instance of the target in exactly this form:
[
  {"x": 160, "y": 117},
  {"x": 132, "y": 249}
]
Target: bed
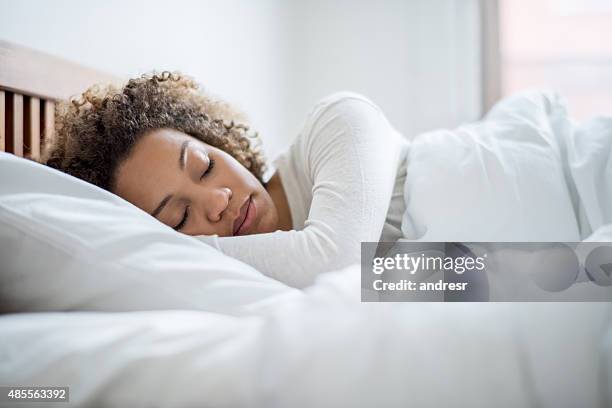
[
  {"x": 30, "y": 84},
  {"x": 144, "y": 316}
]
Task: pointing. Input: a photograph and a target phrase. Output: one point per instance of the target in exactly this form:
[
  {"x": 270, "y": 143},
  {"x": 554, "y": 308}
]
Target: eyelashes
[
  {"x": 211, "y": 165},
  {"x": 184, "y": 220}
]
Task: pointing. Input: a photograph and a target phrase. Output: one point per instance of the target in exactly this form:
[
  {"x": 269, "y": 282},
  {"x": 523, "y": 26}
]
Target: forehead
[{"x": 159, "y": 142}]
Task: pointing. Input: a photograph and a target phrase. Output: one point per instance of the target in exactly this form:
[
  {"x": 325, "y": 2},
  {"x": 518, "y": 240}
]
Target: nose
[{"x": 219, "y": 202}]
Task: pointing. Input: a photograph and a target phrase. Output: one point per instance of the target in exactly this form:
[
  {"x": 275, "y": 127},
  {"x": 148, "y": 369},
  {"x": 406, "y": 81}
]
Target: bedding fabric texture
[
  {"x": 526, "y": 172},
  {"x": 320, "y": 349}
]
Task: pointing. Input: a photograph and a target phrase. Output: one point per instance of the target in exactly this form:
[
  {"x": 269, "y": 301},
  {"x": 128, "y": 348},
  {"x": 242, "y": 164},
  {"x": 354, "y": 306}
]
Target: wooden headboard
[{"x": 30, "y": 83}]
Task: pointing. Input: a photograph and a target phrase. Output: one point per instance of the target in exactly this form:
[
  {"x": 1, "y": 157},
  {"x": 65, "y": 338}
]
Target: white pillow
[
  {"x": 500, "y": 179},
  {"x": 68, "y": 245}
]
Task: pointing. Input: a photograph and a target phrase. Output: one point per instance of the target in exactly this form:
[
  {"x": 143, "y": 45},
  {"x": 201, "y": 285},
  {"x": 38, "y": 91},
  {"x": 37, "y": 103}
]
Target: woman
[{"x": 181, "y": 156}]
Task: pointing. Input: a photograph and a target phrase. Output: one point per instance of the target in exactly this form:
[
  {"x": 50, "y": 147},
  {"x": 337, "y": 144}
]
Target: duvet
[
  {"x": 526, "y": 172},
  {"x": 320, "y": 349}
]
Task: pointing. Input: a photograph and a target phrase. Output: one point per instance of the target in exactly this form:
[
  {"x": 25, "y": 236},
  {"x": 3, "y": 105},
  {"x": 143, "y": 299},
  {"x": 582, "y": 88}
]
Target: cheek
[{"x": 268, "y": 221}]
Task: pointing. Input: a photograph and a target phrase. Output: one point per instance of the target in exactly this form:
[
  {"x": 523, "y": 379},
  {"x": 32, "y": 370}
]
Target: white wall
[
  {"x": 419, "y": 60},
  {"x": 230, "y": 46}
]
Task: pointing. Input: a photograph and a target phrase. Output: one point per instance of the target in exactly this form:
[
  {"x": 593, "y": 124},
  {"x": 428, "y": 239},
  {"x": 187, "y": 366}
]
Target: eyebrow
[
  {"x": 161, "y": 205},
  {"x": 183, "y": 155},
  {"x": 182, "y": 163}
]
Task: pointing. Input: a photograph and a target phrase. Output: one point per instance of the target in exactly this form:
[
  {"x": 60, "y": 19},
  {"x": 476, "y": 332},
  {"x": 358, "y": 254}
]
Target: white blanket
[
  {"x": 526, "y": 172},
  {"x": 321, "y": 349}
]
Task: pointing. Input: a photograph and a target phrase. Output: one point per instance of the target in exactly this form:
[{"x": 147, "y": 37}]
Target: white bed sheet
[{"x": 321, "y": 349}]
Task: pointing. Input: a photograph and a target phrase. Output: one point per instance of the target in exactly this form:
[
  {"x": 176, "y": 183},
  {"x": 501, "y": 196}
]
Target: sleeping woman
[{"x": 189, "y": 160}]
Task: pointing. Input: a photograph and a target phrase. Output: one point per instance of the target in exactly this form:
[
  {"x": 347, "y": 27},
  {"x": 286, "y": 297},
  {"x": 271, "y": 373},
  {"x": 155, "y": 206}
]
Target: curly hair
[{"x": 97, "y": 130}]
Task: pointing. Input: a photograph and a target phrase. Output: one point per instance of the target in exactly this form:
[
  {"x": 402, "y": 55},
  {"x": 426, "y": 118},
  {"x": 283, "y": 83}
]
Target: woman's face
[{"x": 194, "y": 187}]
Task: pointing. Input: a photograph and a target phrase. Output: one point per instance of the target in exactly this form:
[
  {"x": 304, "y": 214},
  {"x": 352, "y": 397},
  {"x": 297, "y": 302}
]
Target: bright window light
[{"x": 564, "y": 45}]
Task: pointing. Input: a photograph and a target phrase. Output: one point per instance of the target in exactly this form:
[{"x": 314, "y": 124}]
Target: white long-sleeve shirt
[{"x": 343, "y": 177}]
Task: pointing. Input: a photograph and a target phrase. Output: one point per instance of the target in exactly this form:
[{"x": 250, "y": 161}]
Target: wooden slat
[
  {"x": 14, "y": 123},
  {"x": 18, "y": 124},
  {"x": 48, "y": 120},
  {"x": 2, "y": 121},
  {"x": 32, "y": 128},
  {"x": 30, "y": 72}
]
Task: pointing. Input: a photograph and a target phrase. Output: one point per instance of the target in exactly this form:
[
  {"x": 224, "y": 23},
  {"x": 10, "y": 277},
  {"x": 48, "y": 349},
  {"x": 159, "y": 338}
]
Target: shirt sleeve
[{"x": 351, "y": 154}]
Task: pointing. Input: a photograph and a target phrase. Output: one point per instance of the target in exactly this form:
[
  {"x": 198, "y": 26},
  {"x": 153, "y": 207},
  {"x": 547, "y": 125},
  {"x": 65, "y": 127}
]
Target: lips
[{"x": 243, "y": 213}]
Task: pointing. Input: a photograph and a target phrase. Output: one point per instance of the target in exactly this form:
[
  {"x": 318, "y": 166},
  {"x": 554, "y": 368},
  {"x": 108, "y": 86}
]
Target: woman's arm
[{"x": 350, "y": 153}]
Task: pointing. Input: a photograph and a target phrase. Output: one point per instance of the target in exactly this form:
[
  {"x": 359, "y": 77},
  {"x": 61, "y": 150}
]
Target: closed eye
[
  {"x": 211, "y": 164},
  {"x": 184, "y": 220}
]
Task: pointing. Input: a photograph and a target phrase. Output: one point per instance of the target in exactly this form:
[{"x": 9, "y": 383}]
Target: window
[{"x": 564, "y": 45}]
